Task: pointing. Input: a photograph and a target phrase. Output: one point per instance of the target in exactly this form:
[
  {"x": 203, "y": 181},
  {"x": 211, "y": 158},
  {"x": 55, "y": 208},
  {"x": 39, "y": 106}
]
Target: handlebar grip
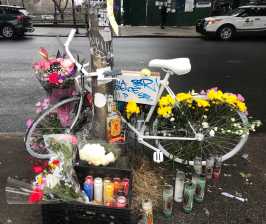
[{"x": 70, "y": 37}]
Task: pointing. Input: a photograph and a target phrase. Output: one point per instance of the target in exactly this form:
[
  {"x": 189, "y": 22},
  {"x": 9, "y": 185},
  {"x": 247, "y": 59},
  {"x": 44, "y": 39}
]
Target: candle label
[
  {"x": 188, "y": 198},
  {"x": 200, "y": 189}
]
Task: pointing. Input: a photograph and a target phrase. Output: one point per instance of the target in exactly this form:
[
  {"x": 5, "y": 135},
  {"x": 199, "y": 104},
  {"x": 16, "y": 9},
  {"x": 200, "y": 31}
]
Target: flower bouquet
[
  {"x": 56, "y": 181},
  {"x": 54, "y": 72},
  {"x": 219, "y": 117}
]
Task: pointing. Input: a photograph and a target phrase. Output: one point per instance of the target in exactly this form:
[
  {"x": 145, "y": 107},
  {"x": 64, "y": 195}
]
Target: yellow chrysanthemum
[
  {"x": 241, "y": 106},
  {"x": 166, "y": 101},
  {"x": 132, "y": 108},
  {"x": 165, "y": 111},
  {"x": 39, "y": 179},
  {"x": 215, "y": 95},
  {"x": 181, "y": 97},
  {"x": 230, "y": 98},
  {"x": 202, "y": 103}
]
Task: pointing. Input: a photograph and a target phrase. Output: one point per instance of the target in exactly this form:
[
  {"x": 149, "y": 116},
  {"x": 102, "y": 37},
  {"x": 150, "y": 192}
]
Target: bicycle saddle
[{"x": 179, "y": 66}]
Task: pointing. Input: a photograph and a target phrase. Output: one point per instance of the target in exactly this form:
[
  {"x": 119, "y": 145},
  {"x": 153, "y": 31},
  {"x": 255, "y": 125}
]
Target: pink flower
[
  {"x": 63, "y": 114},
  {"x": 38, "y": 104},
  {"x": 74, "y": 140},
  {"x": 68, "y": 65},
  {"x": 41, "y": 65},
  {"x": 240, "y": 97},
  {"x": 29, "y": 122},
  {"x": 38, "y": 110},
  {"x": 202, "y": 92}
]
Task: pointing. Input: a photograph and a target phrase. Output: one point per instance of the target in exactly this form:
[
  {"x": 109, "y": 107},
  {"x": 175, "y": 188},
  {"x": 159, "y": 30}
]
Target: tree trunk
[
  {"x": 55, "y": 14},
  {"x": 62, "y": 16}
]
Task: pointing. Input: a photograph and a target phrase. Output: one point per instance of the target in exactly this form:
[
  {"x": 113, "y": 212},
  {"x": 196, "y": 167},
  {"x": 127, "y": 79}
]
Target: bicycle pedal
[{"x": 158, "y": 156}]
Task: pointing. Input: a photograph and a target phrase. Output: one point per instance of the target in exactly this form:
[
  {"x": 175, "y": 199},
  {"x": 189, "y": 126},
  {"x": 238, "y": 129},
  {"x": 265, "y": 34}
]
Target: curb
[
  {"x": 122, "y": 36},
  {"x": 12, "y": 134},
  {"x": 51, "y": 35}
]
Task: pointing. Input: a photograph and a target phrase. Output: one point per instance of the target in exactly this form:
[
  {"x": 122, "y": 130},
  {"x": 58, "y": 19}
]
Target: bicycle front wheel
[
  {"x": 55, "y": 120},
  {"x": 221, "y": 131}
]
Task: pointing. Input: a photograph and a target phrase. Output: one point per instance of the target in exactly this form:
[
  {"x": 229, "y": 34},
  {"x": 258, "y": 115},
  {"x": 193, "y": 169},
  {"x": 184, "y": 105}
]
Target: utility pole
[{"x": 101, "y": 54}]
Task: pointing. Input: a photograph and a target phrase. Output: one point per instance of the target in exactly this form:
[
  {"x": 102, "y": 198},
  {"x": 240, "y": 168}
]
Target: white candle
[
  {"x": 179, "y": 186},
  {"x": 98, "y": 190}
]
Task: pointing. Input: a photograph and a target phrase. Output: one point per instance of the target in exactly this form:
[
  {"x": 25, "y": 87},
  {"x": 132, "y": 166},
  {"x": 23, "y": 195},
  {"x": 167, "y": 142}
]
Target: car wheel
[
  {"x": 8, "y": 31},
  {"x": 226, "y": 32}
]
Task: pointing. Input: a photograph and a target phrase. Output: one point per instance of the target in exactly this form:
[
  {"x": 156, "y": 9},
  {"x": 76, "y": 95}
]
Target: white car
[{"x": 245, "y": 19}]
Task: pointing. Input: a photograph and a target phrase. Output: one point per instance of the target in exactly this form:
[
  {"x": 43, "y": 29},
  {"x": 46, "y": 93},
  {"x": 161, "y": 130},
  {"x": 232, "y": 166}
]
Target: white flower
[
  {"x": 215, "y": 129},
  {"x": 212, "y": 133},
  {"x": 258, "y": 123},
  {"x": 205, "y": 124},
  {"x": 233, "y": 119},
  {"x": 205, "y": 116},
  {"x": 52, "y": 181},
  {"x": 172, "y": 119},
  {"x": 95, "y": 154}
]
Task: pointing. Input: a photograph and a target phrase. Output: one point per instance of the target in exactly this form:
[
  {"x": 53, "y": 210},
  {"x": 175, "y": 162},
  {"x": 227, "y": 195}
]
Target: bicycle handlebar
[
  {"x": 70, "y": 55},
  {"x": 80, "y": 67}
]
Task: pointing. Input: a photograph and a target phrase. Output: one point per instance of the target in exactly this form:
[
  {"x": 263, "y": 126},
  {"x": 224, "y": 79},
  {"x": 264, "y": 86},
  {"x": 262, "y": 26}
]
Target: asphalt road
[{"x": 237, "y": 66}]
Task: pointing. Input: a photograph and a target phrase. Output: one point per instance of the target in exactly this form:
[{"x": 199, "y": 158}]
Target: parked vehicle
[
  {"x": 14, "y": 21},
  {"x": 250, "y": 19}
]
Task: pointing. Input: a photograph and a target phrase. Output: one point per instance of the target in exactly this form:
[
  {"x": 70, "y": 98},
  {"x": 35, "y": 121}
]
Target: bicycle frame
[{"x": 164, "y": 85}]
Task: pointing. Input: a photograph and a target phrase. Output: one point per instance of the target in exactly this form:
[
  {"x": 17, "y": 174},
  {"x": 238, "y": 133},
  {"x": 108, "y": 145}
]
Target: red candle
[{"x": 125, "y": 184}]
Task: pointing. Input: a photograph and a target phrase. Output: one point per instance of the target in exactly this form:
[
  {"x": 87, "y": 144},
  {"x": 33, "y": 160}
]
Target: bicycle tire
[
  {"x": 39, "y": 150},
  {"x": 237, "y": 141}
]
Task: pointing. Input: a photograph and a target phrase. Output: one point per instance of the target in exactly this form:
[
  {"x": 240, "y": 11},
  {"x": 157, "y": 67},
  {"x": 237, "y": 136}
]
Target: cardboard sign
[{"x": 134, "y": 86}]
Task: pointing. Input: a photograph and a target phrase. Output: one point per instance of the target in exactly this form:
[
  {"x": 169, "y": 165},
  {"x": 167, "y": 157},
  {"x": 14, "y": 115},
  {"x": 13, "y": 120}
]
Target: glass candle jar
[
  {"x": 216, "y": 174},
  {"x": 148, "y": 214},
  {"x": 209, "y": 167},
  {"x": 168, "y": 194},
  {"x": 179, "y": 185},
  {"x": 200, "y": 188},
  {"x": 189, "y": 190},
  {"x": 198, "y": 165}
]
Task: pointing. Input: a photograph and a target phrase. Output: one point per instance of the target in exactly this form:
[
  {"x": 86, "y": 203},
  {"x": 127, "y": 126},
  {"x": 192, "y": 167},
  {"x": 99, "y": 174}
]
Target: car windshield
[
  {"x": 235, "y": 12},
  {"x": 24, "y": 12}
]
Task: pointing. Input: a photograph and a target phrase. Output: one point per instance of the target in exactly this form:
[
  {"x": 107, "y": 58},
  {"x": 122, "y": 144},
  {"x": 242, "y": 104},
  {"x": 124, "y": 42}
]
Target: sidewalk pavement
[
  {"x": 216, "y": 209},
  {"x": 125, "y": 31}
]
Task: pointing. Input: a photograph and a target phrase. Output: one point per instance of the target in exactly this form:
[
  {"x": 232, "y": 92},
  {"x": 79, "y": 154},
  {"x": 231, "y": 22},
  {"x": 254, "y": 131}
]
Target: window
[
  {"x": 249, "y": 12},
  {"x": 1, "y": 11},
  {"x": 261, "y": 11},
  {"x": 12, "y": 11}
]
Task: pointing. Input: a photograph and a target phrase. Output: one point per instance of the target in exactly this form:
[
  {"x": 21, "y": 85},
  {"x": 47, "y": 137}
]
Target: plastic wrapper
[{"x": 57, "y": 181}]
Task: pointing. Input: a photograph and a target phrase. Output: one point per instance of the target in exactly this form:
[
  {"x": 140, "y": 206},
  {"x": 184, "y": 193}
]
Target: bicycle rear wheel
[
  {"x": 219, "y": 129},
  {"x": 55, "y": 120}
]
